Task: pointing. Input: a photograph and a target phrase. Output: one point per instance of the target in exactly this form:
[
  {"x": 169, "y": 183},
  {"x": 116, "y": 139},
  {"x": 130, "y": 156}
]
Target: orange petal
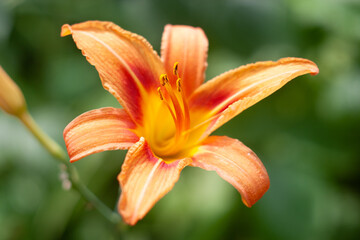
[
  {"x": 144, "y": 179},
  {"x": 188, "y": 46},
  {"x": 99, "y": 130},
  {"x": 127, "y": 64},
  {"x": 235, "y": 163},
  {"x": 229, "y": 94}
]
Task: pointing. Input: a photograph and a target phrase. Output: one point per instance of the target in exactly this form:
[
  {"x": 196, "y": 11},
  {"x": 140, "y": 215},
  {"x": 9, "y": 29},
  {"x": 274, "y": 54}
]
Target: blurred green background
[{"x": 307, "y": 134}]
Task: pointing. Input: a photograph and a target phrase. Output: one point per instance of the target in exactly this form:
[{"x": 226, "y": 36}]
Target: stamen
[
  {"x": 176, "y": 103},
  {"x": 176, "y": 122},
  {"x": 176, "y": 112},
  {"x": 176, "y": 66},
  {"x": 177, "y": 127},
  {"x": 160, "y": 94},
  {"x": 178, "y": 85},
  {"x": 163, "y": 79},
  {"x": 184, "y": 104}
]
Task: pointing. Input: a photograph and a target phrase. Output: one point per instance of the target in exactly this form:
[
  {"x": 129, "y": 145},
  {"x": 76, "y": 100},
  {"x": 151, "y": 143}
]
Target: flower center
[{"x": 173, "y": 98}]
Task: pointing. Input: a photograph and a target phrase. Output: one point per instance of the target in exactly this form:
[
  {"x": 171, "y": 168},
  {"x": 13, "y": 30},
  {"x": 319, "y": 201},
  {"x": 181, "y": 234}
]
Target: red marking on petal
[{"x": 127, "y": 64}]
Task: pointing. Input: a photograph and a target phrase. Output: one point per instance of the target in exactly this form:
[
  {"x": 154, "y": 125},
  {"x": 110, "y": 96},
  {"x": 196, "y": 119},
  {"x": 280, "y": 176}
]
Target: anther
[
  {"x": 164, "y": 79},
  {"x": 176, "y": 66},
  {"x": 178, "y": 84},
  {"x": 160, "y": 94}
]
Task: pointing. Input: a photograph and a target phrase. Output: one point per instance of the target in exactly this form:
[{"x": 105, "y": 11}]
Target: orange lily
[{"x": 168, "y": 114}]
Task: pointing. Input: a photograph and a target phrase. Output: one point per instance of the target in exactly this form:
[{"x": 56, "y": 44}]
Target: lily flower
[{"x": 168, "y": 112}]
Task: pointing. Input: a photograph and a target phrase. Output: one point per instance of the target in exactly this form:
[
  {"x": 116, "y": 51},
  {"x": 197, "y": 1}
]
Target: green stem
[
  {"x": 99, "y": 205},
  {"x": 57, "y": 152},
  {"x": 54, "y": 149}
]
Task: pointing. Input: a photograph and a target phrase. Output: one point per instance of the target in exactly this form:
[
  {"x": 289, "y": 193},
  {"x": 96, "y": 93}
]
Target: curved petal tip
[
  {"x": 312, "y": 67},
  {"x": 236, "y": 164},
  {"x": 65, "y": 30}
]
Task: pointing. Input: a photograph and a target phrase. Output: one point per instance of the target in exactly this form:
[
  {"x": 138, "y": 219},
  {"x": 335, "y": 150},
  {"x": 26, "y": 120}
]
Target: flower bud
[{"x": 12, "y": 100}]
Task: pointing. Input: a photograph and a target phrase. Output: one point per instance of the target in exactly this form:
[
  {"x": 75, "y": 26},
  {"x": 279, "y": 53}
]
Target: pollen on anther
[
  {"x": 160, "y": 94},
  {"x": 178, "y": 84},
  {"x": 163, "y": 79},
  {"x": 176, "y": 66}
]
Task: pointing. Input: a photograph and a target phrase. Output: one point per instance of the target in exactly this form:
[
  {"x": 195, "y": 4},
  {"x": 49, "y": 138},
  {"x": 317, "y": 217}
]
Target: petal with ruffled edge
[
  {"x": 128, "y": 66},
  {"x": 225, "y": 96},
  {"x": 235, "y": 163},
  {"x": 188, "y": 46},
  {"x": 99, "y": 130},
  {"x": 144, "y": 179}
]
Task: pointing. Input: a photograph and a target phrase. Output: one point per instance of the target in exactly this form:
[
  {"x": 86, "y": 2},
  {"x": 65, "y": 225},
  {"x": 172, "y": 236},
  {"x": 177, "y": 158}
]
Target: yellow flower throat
[{"x": 176, "y": 104}]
